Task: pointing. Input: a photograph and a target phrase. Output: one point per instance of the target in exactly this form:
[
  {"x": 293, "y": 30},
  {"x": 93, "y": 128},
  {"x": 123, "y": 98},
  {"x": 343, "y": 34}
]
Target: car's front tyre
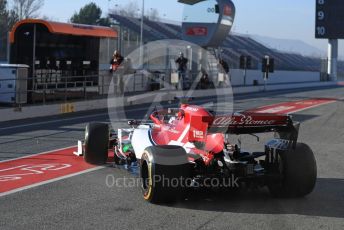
[
  {"x": 96, "y": 143},
  {"x": 164, "y": 181}
]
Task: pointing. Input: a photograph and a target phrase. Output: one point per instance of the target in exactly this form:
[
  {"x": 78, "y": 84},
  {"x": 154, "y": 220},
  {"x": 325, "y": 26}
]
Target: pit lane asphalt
[{"x": 86, "y": 202}]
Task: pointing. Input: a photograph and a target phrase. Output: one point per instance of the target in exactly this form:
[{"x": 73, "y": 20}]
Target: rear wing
[{"x": 249, "y": 123}]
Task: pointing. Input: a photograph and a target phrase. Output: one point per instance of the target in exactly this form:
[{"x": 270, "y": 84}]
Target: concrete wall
[{"x": 278, "y": 77}]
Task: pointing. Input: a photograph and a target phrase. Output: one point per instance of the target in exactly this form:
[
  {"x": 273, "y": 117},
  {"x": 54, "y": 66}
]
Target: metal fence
[{"x": 18, "y": 92}]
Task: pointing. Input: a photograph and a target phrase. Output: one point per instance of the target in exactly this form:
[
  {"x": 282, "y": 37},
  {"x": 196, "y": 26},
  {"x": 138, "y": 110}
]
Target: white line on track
[
  {"x": 37, "y": 154},
  {"x": 314, "y": 106},
  {"x": 59, "y": 120},
  {"x": 263, "y": 110},
  {"x": 49, "y": 181}
]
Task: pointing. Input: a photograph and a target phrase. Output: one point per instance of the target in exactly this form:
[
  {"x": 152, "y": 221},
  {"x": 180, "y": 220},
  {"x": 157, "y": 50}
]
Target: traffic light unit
[
  {"x": 245, "y": 62},
  {"x": 248, "y": 62},
  {"x": 242, "y": 62},
  {"x": 268, "y": 65}
]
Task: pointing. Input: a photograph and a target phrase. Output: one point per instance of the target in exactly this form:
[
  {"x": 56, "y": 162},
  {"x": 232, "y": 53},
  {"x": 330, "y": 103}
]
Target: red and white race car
[{"x": 189, "y": 146}]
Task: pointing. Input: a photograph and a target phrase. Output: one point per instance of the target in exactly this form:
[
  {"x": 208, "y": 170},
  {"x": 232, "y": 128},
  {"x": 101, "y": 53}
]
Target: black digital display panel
[{"x": 329, "y": 19}]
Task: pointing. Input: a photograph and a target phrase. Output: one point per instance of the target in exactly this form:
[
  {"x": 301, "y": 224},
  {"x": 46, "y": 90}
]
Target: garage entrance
[{"x": 61, "y": 55}]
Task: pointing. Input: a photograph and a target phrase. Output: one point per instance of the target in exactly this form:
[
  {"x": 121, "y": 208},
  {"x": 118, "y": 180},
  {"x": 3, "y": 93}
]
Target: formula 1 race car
[{"x": 189, "y": 146}]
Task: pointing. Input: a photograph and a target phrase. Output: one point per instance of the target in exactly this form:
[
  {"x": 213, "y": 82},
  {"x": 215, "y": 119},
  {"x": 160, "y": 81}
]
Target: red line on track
[
  {"x": 293, "y": 107},
  {"x": 18, "y": 173}
]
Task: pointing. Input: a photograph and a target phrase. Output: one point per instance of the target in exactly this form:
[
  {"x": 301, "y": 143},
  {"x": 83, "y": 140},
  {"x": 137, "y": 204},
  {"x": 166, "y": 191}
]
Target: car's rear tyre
[
  {"x": 299, "y": 173},
  {"x": 167, "y": 180},
  {"x": 96, "y": 143}
]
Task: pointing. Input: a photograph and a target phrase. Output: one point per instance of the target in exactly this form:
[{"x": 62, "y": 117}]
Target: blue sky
[{"x": 291, "y": 19}]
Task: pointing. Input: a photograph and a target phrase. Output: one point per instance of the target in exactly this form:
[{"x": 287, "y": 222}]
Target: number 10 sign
[{"x": 329, "y": 19}]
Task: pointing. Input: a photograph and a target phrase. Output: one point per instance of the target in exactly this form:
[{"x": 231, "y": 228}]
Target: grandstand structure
[{"x": 232, "y": 48}]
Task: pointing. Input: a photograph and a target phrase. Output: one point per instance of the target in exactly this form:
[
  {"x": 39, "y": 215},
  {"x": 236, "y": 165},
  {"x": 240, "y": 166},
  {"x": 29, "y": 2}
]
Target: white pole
[
  {"x": 34, "y": 57},
  {"x": 8, "y": 48},
  {"x": 141, "y": 35},
  {"x": 332, "y": 59},
  {"x": 108, "y": 49}
]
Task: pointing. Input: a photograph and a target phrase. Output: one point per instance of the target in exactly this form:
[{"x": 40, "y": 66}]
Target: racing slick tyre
[
  {"x": 299, "y": 173},
  {"x": 96, "y": 143},
  {"x": 164, "y": 173}
]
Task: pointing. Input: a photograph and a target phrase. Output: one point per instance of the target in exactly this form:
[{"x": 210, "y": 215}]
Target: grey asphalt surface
[{"x": 86, "y": 202}]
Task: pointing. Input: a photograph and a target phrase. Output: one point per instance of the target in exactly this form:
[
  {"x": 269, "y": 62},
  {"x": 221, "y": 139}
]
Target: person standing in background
[
  {"x": 182, "y": 67},
  {"x": 224, "y": 65},
  {"x": 224, "y": 69},
  {"x": 115, "y": 62}
]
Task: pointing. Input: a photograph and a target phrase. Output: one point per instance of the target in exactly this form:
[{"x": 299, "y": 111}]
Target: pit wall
[{"x": 26, "y": 112}]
